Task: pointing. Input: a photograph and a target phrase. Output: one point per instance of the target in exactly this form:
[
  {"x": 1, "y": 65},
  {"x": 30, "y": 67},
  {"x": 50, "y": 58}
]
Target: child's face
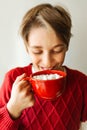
[{"x": 46, "y": 50}]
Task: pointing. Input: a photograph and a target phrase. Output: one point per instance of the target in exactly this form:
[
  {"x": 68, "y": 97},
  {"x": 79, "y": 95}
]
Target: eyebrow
[
  {"x": 38, "y": 47},
  {"x": 62, "y": 44}
]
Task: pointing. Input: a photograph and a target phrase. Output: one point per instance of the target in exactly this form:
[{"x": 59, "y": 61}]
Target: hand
[{"x": 21, "y": 96}]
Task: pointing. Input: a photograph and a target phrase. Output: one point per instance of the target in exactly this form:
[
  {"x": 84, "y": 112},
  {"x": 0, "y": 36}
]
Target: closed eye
[
  {"x": 37, "y": 52},
  {"x": 58, "y": 50}
]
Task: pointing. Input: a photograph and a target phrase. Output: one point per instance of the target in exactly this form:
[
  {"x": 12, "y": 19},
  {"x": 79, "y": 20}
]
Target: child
[{"x": 46, "y": 31}]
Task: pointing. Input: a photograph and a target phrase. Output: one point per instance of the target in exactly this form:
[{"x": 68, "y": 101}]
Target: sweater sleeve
[
  {"x": 84, "y": 107},
  {"x": 6, "y": 122}
]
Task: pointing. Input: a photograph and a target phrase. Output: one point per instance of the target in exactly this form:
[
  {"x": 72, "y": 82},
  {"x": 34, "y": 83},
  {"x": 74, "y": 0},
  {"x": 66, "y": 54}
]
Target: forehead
[{"x": 43, "y": 37}]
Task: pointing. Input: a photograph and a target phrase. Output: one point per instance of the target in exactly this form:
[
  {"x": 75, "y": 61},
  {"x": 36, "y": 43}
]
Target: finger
[
  {"x": 19, "y": 78},
  {"x": 24, "y": 85}
]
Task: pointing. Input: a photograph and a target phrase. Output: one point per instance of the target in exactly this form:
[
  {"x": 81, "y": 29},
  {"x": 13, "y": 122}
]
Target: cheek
[
  {"x": 35, "y": 59},
  {"x": 60, "y": 58}
]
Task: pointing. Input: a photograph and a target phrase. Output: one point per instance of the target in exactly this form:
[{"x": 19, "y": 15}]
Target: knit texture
[{"x": 63, "y": 113}]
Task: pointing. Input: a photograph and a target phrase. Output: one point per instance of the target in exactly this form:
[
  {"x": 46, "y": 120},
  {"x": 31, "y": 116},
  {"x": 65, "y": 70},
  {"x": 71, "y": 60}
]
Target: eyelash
[
  {"x": 37, "y": 53},
  {"x": 55, "y": 52},
  {"x": 58, "y": 50}
]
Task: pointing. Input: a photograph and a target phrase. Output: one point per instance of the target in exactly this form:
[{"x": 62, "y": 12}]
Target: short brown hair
[{"x": 56, "y": 16}]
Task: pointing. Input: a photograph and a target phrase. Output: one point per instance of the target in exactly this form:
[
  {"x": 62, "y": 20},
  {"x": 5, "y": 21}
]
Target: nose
[{"x": 47, "y": 60}]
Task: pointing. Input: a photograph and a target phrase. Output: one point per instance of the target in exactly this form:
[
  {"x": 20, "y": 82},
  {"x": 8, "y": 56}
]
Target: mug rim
[{"x": 59, "y": 72}]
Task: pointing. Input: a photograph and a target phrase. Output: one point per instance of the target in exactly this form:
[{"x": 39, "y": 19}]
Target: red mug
[{"x": 48, "y": 89}]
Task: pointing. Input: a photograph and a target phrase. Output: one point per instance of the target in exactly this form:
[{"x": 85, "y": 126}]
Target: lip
[
  {"x": 43, "y": 68},
  {"x": 50, "y": 68}
]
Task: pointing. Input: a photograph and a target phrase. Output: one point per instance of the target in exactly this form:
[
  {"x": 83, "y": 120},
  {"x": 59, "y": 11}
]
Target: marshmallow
[{"x": 47, "y": 76}]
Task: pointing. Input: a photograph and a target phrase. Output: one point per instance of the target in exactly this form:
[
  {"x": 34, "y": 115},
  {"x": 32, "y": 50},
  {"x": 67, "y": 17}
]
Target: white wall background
[{"x": 12, "y": 50}]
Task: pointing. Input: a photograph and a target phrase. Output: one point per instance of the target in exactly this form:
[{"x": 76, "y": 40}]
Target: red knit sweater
[{"x": 64, "y": 113}]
